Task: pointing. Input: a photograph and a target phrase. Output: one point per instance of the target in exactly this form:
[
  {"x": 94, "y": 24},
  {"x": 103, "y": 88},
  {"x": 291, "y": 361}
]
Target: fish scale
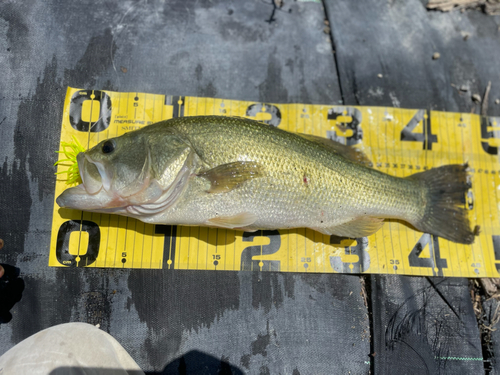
[{"x": 282, "y": 194}]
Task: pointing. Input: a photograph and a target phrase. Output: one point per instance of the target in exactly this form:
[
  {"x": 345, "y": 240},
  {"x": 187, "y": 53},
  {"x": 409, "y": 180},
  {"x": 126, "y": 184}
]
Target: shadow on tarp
[{"x": 193, "y": 362}]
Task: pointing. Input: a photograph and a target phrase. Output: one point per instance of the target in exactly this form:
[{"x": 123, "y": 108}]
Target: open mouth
[
  {"x": 93, "y": 174},
  {"x": 93, "y": 192}
]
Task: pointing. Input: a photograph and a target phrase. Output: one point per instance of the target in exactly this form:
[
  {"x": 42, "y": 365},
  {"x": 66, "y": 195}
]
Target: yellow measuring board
[{"x": 398, "y": 141}]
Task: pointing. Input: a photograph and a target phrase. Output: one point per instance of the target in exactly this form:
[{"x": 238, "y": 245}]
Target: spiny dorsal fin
[
  {"x": 227, "y": 177},
  {"x": 348, "y": 152}
]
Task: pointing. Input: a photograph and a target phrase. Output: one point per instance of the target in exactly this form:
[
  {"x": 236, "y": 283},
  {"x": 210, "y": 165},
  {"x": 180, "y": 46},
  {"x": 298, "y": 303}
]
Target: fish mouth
[
  {"x": 93, "y": 174},
  {"x": 94, "y": 193},
  {"x": 78, "y": 198},
  {"x": 143, "y": 200},
  {"x": 98, "y": 193}
]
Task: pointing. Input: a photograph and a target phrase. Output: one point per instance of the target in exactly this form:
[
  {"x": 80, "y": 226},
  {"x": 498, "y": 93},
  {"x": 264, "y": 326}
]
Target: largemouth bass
[{"x": 241, "y": 174}]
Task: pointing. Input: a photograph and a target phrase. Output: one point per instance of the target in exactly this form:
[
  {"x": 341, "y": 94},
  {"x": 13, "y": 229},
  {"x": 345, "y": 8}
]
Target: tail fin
[{"x": 444, "y": 214}]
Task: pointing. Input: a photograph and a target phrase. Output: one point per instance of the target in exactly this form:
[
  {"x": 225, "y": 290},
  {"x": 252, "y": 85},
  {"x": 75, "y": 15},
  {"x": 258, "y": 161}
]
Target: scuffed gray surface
[
  {"x": 232, "y": 321},
  {"x": 429, "y": 323},
  {"x": 397, "y": 39}
]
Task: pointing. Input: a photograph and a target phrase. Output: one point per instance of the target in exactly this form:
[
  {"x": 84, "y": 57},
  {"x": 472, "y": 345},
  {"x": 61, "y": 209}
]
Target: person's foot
[{"x": 11, "y": 289}]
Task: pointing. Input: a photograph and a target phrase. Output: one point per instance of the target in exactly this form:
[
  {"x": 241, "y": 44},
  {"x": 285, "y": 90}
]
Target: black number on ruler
[
  {"x": 247, "y": 261},
  {"x": 169, "y": 232},
  {"x": 427, "y": 138},
  {"x": 363, "y": 263},
  {"x": 100, "y": 101},
  {"x": 496, "y": 251},
  {"x": 178, "y": 103},
  {"x": 486, "y": 135},
  {"x": 62, "y": 245},
  {"x": 274, "y": 111},
  {"x": 354, "y": 125},
  {"x": 434, "y": 261}
]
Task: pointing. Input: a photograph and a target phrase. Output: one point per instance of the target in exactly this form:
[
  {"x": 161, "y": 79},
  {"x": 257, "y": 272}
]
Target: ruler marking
[
  {"x": 397, "y": 172},
  {"x": 314, "y": 236},
  {"x": 443, "y": 121},
  {"x": 188, "y": 262},
  {"x": 91, "y": 219},
  {"x": 81, "y": 213},
  {"x": 494, "y": 229},
  {"x": 407, "y": 154},
  {"x": 472, "y": 162},
  {"x": 207, "y": 247},
  {"x": 214, "y": 103},
  {"x": 116, "y": 243},
  {"x": 163, "y": 107},
  {"x": 234, "y": 253},
  {"x": 382, "y": 230},
  {"x": 142, "y": 246},
  {"x": 386, "y": 161},
  {"x": 198, "y": 237},
  {"x": 153, "y": 118},
  {"x": 373, "y": 158},
  {"x": 483, "y": 202},
  {"x": 125, "y": 242},
  {"x": 409, "y": 235},
  {"x": 126, "y": 222},
  {"x": 151, "y": 249},
  {"x": 177, "y": 260},
  {"x": 297, "y": 261},
  {"x": 486, "y": 253},
  {"x": 449, "y": 152},
  {"x": 424, "y": 127},
  {"x": 133, "y": 242},
  {"x": 225, "y": 230},
  {"x": 460, "y": 155},
  {"x": 171, "y": 249},
  {"x": 490, "y": 166},
  {"x": 106, "y": 227},
  {"x": 225, "y": 250},
  {"x": 135, "y": 108}
]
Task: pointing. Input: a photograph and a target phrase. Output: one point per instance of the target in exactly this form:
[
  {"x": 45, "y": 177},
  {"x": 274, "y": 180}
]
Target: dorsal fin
[{"x": 348, "y": 152}]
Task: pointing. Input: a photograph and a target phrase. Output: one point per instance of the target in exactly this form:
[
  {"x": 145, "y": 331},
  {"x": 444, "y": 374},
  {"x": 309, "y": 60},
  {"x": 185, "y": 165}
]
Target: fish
[{"x": 241, "y": 174}]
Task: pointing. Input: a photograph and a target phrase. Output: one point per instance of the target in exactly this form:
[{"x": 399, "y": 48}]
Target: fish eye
[{"x": 109, "y": 146}]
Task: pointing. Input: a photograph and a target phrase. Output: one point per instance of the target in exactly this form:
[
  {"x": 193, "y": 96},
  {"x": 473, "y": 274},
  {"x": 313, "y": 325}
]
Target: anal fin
[
  {"x": 238, "y": 221},
  {"x": 360, "y": 227}
]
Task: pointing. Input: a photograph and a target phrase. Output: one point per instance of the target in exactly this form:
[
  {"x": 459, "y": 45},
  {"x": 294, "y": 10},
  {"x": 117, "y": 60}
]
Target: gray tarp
[{"x": 266, "y": 323}]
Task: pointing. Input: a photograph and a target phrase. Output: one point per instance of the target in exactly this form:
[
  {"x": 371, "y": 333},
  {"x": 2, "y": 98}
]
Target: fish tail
[{"x": 445, "y": 214}]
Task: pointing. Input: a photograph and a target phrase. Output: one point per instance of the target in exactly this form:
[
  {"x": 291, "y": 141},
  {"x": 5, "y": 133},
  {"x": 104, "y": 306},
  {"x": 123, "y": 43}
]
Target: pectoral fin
[
  {"x": 348, "y": 152},
  {"x": 238, "y": 221},
  {"x": 227, "y": 177},
  {"x": 361, "y": 227}
]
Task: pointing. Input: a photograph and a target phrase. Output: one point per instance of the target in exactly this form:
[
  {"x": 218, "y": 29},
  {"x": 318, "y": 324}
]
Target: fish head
[
  {"x": 121, "y": 173},
  {"x": 120, "y": 166}
]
